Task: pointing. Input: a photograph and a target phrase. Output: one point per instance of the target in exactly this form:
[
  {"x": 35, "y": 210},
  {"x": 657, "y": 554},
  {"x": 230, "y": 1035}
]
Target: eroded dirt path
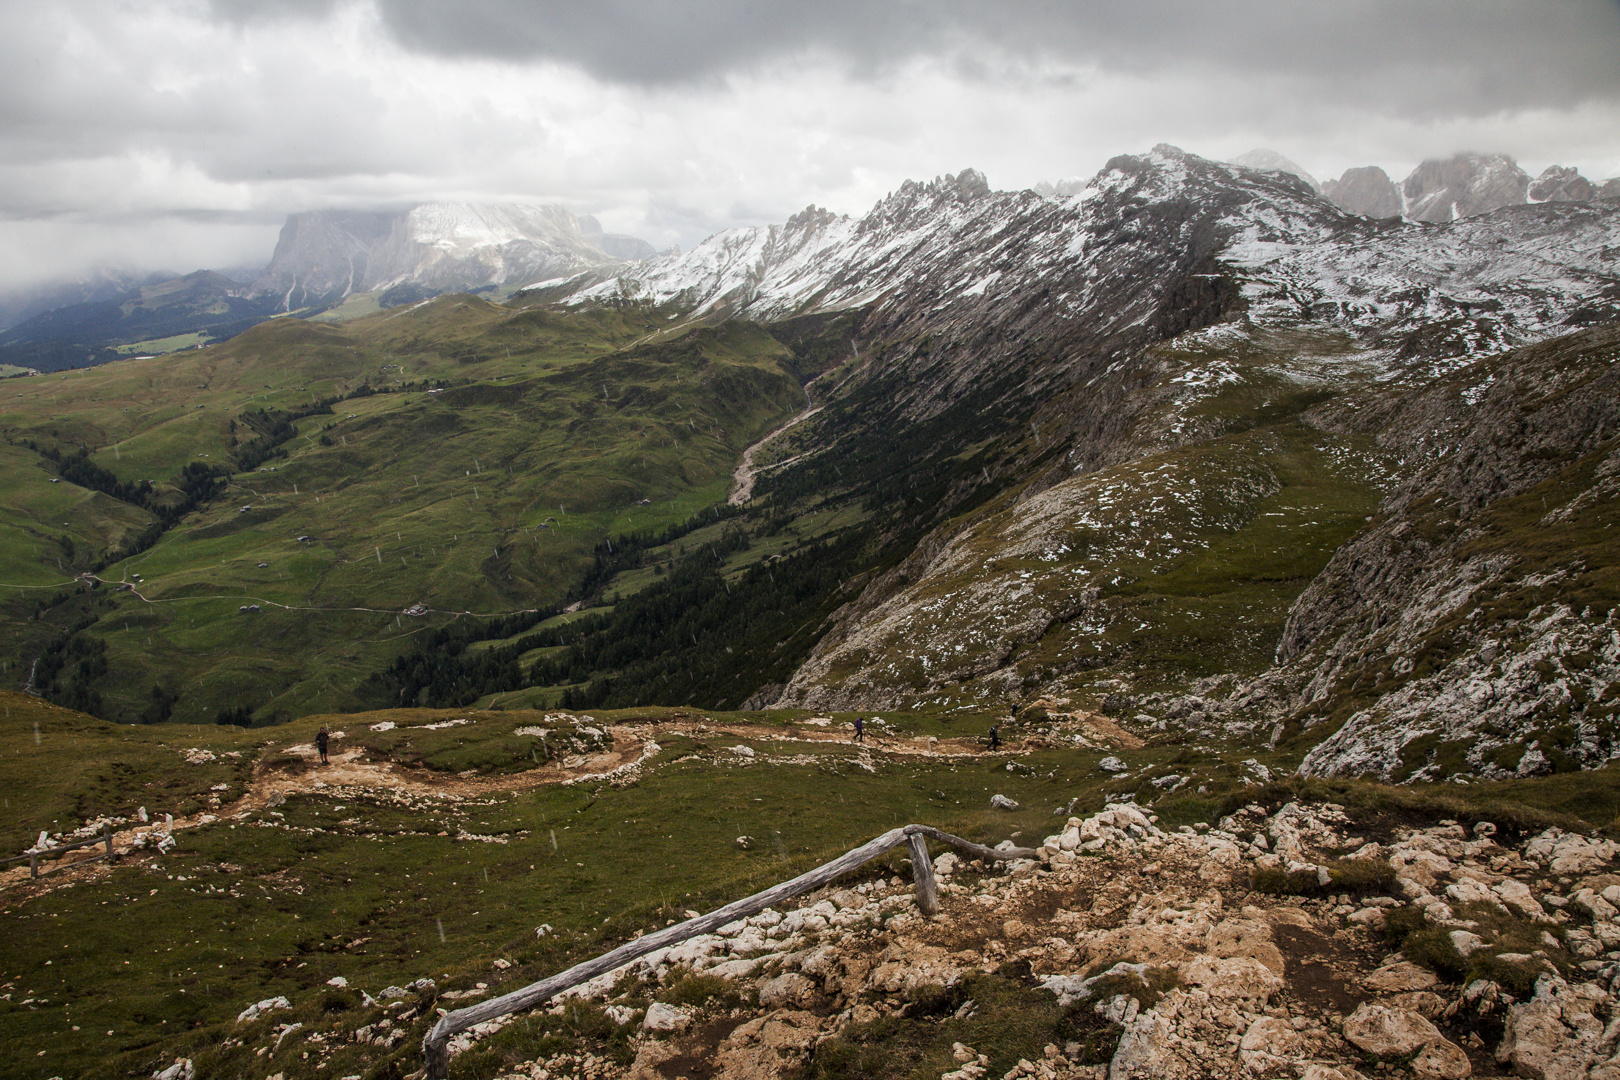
[
  {"x": 742, "y": 479},
  {"x": 287, "y": 770}
]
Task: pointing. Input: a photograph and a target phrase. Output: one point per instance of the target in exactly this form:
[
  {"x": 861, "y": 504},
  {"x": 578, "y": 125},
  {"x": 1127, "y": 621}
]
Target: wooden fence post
[
  {"x": 33, "y": 866},
  {"x": 106, "y": 833},
  {"x": 922, "y": 874}
]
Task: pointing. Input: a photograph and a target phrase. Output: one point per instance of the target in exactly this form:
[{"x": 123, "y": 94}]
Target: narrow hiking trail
[{"x": 284, "y": 770}]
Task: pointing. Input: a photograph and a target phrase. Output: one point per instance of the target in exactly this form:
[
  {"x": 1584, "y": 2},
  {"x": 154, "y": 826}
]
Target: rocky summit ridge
[{"x": 1464, "y": 185}]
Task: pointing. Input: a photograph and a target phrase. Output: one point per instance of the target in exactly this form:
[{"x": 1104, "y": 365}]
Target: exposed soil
[{"x": 284, "y": 771}]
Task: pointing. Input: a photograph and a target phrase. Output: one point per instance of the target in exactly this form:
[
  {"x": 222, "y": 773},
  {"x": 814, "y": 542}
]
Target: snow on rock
[{"x": 1300, "y": 258}]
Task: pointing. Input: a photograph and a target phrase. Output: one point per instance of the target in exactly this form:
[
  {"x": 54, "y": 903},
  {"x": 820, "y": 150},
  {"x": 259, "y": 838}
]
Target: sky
[{"x": 178, "y": 134}]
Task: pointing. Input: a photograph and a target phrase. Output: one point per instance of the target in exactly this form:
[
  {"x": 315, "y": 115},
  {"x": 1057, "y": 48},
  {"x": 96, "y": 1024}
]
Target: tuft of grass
[
  {"x": 1010, "y": 1020},
  {"x": 696, "y": 991},
  {"x": 1432, "y": 948},
  {"x": 1358, "y": 877},
  {"x": 1516, "y": 977}
]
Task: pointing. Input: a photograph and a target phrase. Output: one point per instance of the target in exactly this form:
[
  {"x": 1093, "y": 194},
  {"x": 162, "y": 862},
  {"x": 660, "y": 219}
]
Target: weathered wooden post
[
  {"x": 106, "y": 834},
  {"x": 33, "y": 864},
  {"x": 922, "y": 874}
]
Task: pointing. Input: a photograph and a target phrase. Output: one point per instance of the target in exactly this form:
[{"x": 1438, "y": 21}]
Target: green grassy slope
[{"x": 489, "y": 450}]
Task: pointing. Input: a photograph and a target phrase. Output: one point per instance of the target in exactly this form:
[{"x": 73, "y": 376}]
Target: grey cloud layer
[
  {"x": 1425, "y": 56},
  {"x": 126, "y": 121}
]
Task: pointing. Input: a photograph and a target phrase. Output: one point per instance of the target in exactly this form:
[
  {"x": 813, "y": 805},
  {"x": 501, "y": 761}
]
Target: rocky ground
[{"x": 1297, "y": 943}]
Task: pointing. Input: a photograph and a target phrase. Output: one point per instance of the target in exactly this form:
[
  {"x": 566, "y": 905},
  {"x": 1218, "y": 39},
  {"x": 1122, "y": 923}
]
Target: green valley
[{"x": 244, "y": 526}]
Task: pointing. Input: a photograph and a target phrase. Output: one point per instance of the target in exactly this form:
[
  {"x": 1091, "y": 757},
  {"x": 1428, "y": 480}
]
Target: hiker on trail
[
  {"x": 995, "y": 737},
  {"x": 321, "y": 739},
  {"x": 860, "y": 729}
]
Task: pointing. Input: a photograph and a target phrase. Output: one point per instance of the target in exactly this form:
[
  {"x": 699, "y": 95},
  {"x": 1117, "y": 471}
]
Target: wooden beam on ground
[{"x": 436, "y": 1045}]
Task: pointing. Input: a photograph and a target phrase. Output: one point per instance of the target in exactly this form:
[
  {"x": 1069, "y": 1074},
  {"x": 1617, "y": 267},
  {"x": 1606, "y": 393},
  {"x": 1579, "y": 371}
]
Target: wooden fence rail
[
  {"x": 33, "y": 857},
  {"x": 436, "y": 1046}
]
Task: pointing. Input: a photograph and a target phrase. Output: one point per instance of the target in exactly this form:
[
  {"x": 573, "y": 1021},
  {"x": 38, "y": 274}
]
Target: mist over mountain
[
  {"x": 322, "y": 259},
  {"x": 1461, "y": 186},
  {"x": 99, "y": 283},
  {"x": 325, "y": 255}
]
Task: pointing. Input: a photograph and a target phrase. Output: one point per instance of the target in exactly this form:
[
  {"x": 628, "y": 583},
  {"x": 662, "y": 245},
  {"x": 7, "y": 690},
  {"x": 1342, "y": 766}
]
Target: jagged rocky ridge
[
  {"x": 956, "y": 243},
  {"x": 1462, "y": 186},
  {"x": 1248, "y": 948}
]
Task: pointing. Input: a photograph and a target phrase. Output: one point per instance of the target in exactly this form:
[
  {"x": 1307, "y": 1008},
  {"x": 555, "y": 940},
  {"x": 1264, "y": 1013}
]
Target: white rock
[
  {"x": 1001, "y": 802},
  {"x": 1388, "y": 1033},
  {"x": 1466, "y": 943},
  {"x": 1555, "y": 1035},
  {"x": 1468, "y": 890},
  {"x": 789, "y": 990},
  {"x": 1112, "y": 764},
  {"x": 1269, "y": 1047},
  {"x": 259, "y": 1008},
  {"x": 1516, "y": 893},
  {"x": 1593, "y": 904},
  {"x": 1238, "y": 977},
  {"x": 664, "y": 1018}
]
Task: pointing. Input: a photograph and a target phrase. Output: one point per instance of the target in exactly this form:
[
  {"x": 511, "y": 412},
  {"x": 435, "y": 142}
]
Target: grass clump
[
  {"x": 1515, "y": 977},
  {"x": 1358, "y": 877},
  {"x": 1147, "y": 988},
  {"x": 696, "y": 991},
  {"x": 1008, "y": 1019},
  {"x": 1432, "y": 948}
]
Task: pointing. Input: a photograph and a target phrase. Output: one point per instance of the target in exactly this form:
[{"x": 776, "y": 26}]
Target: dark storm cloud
[{"x": 1426, "y": 57}]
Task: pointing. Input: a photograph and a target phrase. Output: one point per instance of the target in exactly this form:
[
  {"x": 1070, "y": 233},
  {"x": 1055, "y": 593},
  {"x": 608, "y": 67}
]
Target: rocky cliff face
[
  {"x": 1367, "y": 191},
  {"x": 1481, "y": 604},
  {"x": 1559, "y": 183},
  {"x": 1035, "y": 590},
  {"x": 323, "y": 256},
  {"x": 1466, "y": 185}
]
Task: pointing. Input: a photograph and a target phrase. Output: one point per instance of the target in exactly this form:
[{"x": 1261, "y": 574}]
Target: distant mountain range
[
  {"x": 323, "y": 258},
  {"x": 365, "y": 260},
  {"x": 1462, "y": 186},
  {"x": 409, "y": 255}
]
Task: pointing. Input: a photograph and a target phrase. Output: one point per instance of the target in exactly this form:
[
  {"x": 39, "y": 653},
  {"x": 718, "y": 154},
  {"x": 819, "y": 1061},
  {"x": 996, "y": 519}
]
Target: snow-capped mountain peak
[{"x": 1143, "y": 222}]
